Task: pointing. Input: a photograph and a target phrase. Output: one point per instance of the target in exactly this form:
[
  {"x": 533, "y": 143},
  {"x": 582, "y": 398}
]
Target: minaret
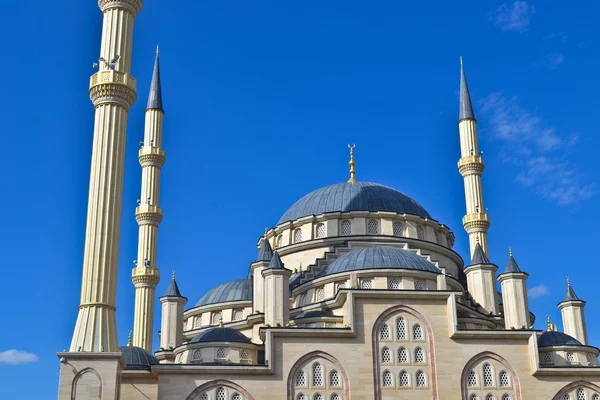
[
  {"x": 145, "y": 275},
  {"x": 514, "y": 296},
  {"x": 476, "y": 222},
  {"x": 172, "y": 317},
  {"x": 112, "y": 91},
  {"x": 571, "y": 309},
  {"x": 265, "y": 254},
  {"x": 276, "y": 292},
  {"x": 481, "y": 280}
]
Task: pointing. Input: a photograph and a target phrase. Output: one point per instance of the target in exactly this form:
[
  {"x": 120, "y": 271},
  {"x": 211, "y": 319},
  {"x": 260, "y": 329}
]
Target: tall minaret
[
  {"x": 112, "y": 90},
  {"x": 145, "y": 275},
  {"x": 470, "y": 166}
]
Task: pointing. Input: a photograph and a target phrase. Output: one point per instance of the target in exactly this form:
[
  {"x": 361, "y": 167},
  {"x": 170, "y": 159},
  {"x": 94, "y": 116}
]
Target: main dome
[{"x": 359, "y": 196}]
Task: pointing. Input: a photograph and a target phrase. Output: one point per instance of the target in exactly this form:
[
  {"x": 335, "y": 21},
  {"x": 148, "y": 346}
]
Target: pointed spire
[
  {"x": 129, "y": 339},
  {"x": 352, "y": 164},
  {"x": 512, "y": 264},
  {"x": 466, "y": 110},
  {"x": 265, "y": 253},
  {"x": 550, "y": 327},
  {"x": 570, "y": 295},
  {"x": 276, "y": 262},
  {"x": 479, "y": 256},
  {"x": 173, "y": 290},
  {"x": 155, "y": 96}
]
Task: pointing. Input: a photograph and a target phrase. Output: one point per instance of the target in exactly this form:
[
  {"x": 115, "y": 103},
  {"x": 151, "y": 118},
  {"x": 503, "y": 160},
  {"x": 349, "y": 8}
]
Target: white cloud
[
  {"x": 538, "y": 291},
  {"x": 514, "y": 16},
  {"x": 558, "y": 36},
  {"x": 17, "y": 357},
  {"x": 554, "y": 60},
  {"x": 537, "y": 150}
]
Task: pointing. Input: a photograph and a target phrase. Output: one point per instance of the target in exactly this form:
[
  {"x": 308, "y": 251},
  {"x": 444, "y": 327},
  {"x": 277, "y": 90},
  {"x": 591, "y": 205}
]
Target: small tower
[
  {"x": 171, "y": 325},
  {"x": 571, "y": 309},
  {"x": 145, "y": 275},
  {"x": 476, "y": 222},
  {"x": 481, "y": 280},
  {"x": 265, "y": 254},
  {"x": 514, "y": 295},
  {"x": 276, "y": 292}
]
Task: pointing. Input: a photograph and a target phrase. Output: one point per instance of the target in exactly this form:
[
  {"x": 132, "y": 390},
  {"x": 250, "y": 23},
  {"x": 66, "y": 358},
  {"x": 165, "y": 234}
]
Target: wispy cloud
[
  {"x": 554, "y": 60},
  {"x": 514, "y": 16},
  {"x": 537, "y": 150},
  {"x": 557, "y": 36},
  {"x": 17, "y": 357},
  {"x": 538, "y": 291}
]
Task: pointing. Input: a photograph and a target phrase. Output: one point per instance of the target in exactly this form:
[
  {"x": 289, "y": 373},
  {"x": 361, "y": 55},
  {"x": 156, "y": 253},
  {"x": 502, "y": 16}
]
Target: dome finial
[
  {"x": 568, "y": 281},
  {"x": 510, "y": 251},
  {"x": 173, "y": 275},
  {"x": 550, "y": 328},
  {"x": 221, "y": 322},
  {"x": 461, "y": 64},
  {"x": 129, "y": 338},
  {"x": 158, "y": 45},
  {"x": 352, "y": 163}
]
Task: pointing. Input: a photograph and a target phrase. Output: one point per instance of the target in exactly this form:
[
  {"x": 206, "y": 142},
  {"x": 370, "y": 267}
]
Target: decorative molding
[
  {"x": 153, "y": 158},
  {"x": 481, "y": 356},
  {"x": 470, "y": 165},
  {"x": 133, "y": 6},
  {"x": 309, "y": 358},
  {"x": 111, "y": 86},
  {"x": 78, "y": 376},
  {"x": 145, "y": 280}
]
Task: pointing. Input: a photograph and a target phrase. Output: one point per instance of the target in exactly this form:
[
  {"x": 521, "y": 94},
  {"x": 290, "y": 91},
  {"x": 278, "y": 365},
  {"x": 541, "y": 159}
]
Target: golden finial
[
  {"x": 461, "y": 64},
  {"x": 510, "y": 251},
  {"x": 352, "y": 164},
  {"x": 173, "y": 274},
  {"x": 129, "y": 339},
  {"x": 221, "y": 322},
  {"x": 549, "y": 323},
  {"x": 157, "y": 49}
]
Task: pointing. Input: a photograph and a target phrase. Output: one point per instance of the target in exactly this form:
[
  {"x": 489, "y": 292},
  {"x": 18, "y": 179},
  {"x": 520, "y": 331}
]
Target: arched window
[
  {"x": 398, "y": 229},
  {"x": 335, "y": 396},
  {"x": 236, "y": 396},
  {"x": 317, "y": 374},
  {"x": 420, "y": 233},
  {"x": 472, "y": 379},
  {"x": 366, "y": 284},
  {"x": 419, "y": 285},
  {"x": 220, "y": 353},
  {"x": 394, "y": 284},
  {"x": 419, "y": 355},
  {"x": 216, "y": 318},
  {"x": 318, "y": 396},
  {"x": 388, "y": 380},
  {"x": 279, "y": 241},
  {"x": 320, "y": 230},
  {"x": 547, "y": 358},
  {"x": 372, "y": 227},
  {"x": 596, "y": 396},
  {"x": 384, "y": 332},
  {"x": 298, "y": 235},
  {"x": 417, "y": 332},
  {"x": 506, "y": 396},
  {"x": 570, "y": 357},
  {"x": 204, "y": 396},
  {"x": 238, "y": 315},
  {"x": 341, "y": 285},
  {"x": 301, "y": 397},
  {"x": 197, "y": 355},
  {"x": 420, "y": 379},
  {"x": 320, "y": 294},
  {"x": 199, "y": 321},
  {"x": 566, "y": 396},
  {"x": 300, "y": 379},
  {"x": 243, "y": 354},
  {"x": 400, "y": 328},
  {"x": 504, "y": 379},
  {"x": 473, "y": 396},
  {"x": 334, "y": 378},
  {"x": 346, "y": 228},
  {"x": 404, "y": 378},
  {"x": 220, "y": 394},
  {"x": 581, "y": 394},
  {"x": 386, "y": 355},
  {"x": 488, "y": 375},
  {"x": 490, "y": 396},
  {"x": 402, "y": 355}
]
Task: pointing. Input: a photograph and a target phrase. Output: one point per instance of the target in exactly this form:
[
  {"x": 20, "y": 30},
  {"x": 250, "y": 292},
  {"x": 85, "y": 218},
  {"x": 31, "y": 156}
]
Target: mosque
[{"x": 356, "y": 293}]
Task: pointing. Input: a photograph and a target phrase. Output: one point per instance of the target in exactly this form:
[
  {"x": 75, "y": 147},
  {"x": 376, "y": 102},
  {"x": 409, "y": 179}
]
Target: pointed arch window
[
  {"x": 320, "y": 294},
  {"x": 236, "y": 396},
  {"x": 199, "y": 321},
  {"x": 317, "y": 374},
  {"x": 580, "y": 393},
  {"x": 388, "y": 380},
  {"x": 318, "y": 396},
  {"x": 386, "y": 355},
  {"x": 402, "y": 356},
  {"x": 334, "y": 378},
  {"x": 221, "y": 353},
  {"x": 566, "y": 396},
  {"x": 506, "y": 396},
  {"x": 238, "y": 315},
  {"x": 298, "y": 235},
  {"x": 335, "y": 396},
  {"x": 417, "y": 332},
  {"x": 366, "y": 284},
  {"x": 394, "y": 284},
  {"x": 419, "y": 355},
  {"x": 420, "y": 233},
  {"x": 301, "y": 397},
  {"x": 372, "y": 227},
  {"x": 547, "y": 358},
  {"x": 570, "y": 357},
  {"x": 300, "y": 379},
  {"x": 488, "y": 375},
  {"x": 204, "y": 396},
  {"x": 472, "y": 379},
  {"x": 346, "y": 228},
  {"x": 404, "y": 378},
  {"x": 473, "y": 396},
  {"x": 401, "y": 328},
  {"x": 398, "y": 229},
  {"x": 504, "y": 379},
  {"x": 384, "y": 332},
  {"x": 221, "y": 394},
  {"x": 596, "y": 396},
  {"x": 197, "y": 355},
  {"x": 216, "y": 318},
  {"x": 320, "y": 230},
  {"x": 279, "y": 241},
  {"x": 490, "y": 396},
  {"x": 421, "y": 379},
  {"x": 419, "y": 285}
]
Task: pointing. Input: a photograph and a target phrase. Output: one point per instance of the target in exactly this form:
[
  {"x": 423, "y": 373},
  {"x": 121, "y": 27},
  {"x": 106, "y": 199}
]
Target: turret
[
  {"x": 571, "y": 309},
  {"x": 514, "y": 295},
  {"x": 481, "y": 280},
  {"x": 265, "y": 254},
  {"x": 276, "y": 292},
  {"x": 171, "y": 325},
  {"x": 476, "y": 222}
]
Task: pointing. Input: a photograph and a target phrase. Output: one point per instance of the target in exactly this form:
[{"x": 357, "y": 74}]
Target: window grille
[
  {"x": 417, "y": 332},
  {"x": 243, "y": 354},
  {"x": 346, "y": 228},
  {"x": 320, "y": 294},
  {"x": 398, "y": 229},
  {"x": 199, "y": 321},
  {"x": 401, "y": 328},
  {"x": 334, "y": 378},
  {"x": 335, "y": 396},
  {"x": 473, "y": 396},
  {"x": 580, "y": 394},
  {"x": 547, "y": 358},
  {"x": 197, "y": 354},
  {"x": 279, "y": 241},
  {"x": 472, "y": 379},
  {"x": 402, "y": 355},
  {"x": 420, "y": 233},
  {"x": 387, "y": 379},
  {"x": 220, "y": 394},
  {"x": 566, "y": 396},
  {"x": 490, "y": 396},
  {"x": 342, "y": 285},
  {"x": 317, "y": 378},
  {"x": 204, "y": 396},
  {"x": 318, "y": 397},
  {"x": 404, "y": 378},
  {"x": 419, "y": 285},
  {"x": 236, "y": 396},
  {"x": 298, "y": 235},
  {"x": 420, "y": 379},
  {"x": 506, "y": 396},
  {"x": 419, "y": 355},
  {"x": 366, "y": 284},
  {"x": 220, "y": 352},
  {"x": 384, "y": 332},
  {"x": 488, "y": 376},
  {"x": 320, "y": 230},
  {"x": 238, "y": 315},
  {"x": 394, "y": 284},
  {"x": 372, "y": 227},
  {"x": 301, "y": 397},
  {"x": 596, "y": 396},
  {"x": 504, "y": 379},
  {"x": 216, "y": 318},
  {"x": 386, "y": 355},
  {"x": 570, "y": 357},
  {"x": 301, "y": 378}
]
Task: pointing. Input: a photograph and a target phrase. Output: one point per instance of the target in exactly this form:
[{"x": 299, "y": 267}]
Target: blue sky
[{"x": 261, "y": 101}]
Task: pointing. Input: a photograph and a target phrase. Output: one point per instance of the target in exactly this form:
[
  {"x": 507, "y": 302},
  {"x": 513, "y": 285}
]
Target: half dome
[
  {"x": 553, "y": 338},
  {"x": 237, "y": 290},
  {"x": 220, "y": 335},
  {"x": 137, "y": 358},
  {"x": 359, "y": 196},
  {"x": 379, "y": 257}
]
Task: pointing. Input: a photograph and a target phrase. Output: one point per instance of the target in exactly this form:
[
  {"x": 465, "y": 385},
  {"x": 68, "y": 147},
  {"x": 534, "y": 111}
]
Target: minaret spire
[
  {"x": 476, "y": 222},
  {"x": 145, "y": 275},
  {"x": 352, "y": 163}
]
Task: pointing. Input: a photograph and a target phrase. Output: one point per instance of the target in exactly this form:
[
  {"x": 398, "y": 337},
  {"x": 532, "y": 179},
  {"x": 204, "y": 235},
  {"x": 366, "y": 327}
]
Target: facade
[{"x": 356, "y": 293}]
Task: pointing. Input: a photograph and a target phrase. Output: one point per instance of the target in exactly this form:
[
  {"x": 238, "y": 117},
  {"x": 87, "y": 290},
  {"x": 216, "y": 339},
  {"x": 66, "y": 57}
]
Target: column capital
[{"x": 133, "y": 6}]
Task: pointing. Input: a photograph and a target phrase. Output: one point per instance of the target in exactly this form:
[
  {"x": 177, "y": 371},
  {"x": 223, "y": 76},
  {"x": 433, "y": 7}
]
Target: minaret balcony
[
  {"x": 470, "y": 165},
  {"x": 476, "y": 222},
  {"x": 148, "y": 214},
  {"x": 151, "y": 156},
  {"x": 110, "y": 86}
]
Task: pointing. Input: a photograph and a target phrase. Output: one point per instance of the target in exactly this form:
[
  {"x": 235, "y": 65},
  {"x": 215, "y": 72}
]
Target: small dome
[
  {"x": 379, "y": 257},
  {"x": 359, "y": 196},
  {"x": 237, "y": 290},
  {"x": 137, "y": 358},
  {"x": 221, "y": 335},
  {"x": 552, "y": 338}
]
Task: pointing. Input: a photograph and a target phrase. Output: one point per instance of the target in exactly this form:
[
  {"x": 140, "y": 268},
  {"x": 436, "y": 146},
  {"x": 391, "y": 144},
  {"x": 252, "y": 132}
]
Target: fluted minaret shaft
[
  {"x": 476, "y": 221},
  {"x": 112, "y": 91},
  {"x": 145, "y": 275}
]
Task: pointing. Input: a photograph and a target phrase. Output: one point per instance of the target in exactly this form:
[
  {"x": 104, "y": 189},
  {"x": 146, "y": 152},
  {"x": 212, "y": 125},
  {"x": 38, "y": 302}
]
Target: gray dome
[
  {"x": 237, "y": 290},
  {"x": 221, "y": 335},
  {"x": 553, "y": 338},
  {"x": 359, "y": 196},
  {"x": 137, "y": 358},
  {"x": 379, "y": 257}
]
